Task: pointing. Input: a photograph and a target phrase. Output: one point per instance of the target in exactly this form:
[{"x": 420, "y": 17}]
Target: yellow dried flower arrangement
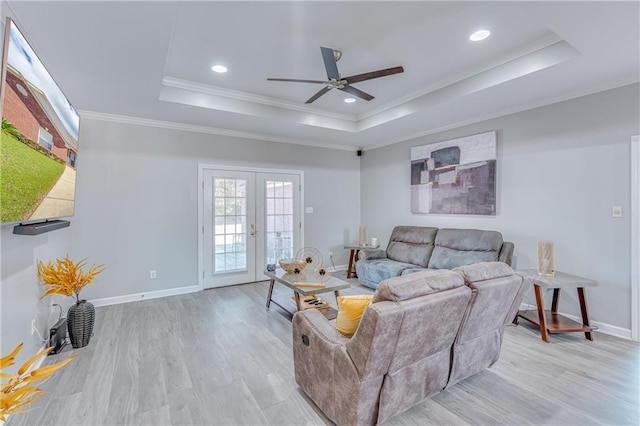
[
  {"x": 19, "y": 391},
  {"x": 67, "y": 277}
]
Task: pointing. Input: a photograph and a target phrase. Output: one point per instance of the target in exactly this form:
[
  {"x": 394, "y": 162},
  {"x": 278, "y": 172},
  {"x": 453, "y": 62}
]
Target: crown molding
[
  {"x": 508, "y": 111},
  {"x": 93, "y": 115},
  {"x": 250, "y": 97},
  {"x": 494, "y": 63},
  {"x": 541, "y": 53}
]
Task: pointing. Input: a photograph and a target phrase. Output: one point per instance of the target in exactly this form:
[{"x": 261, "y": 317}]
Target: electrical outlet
[
  {"x": 616, "y": 211},
  {"x": 33, "y": 327},
  {"x": 152, "y": 275}
]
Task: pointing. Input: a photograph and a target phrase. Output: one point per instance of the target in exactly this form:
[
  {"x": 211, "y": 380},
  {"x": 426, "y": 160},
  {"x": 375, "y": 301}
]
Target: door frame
[
  {"x": 200, "y": 230},
  {"x": 635, "y": 238}
]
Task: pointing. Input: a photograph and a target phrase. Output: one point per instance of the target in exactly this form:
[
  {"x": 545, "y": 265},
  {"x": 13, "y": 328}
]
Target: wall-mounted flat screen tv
[{"x": 39, "y": 138}]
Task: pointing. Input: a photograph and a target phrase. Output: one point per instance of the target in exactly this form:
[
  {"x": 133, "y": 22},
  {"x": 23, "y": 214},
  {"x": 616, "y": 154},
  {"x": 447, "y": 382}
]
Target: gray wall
[
  {"x": 560, "y": 170},
  {"x": 137, "y": 201},
  {"x": 136, "y": 210}
]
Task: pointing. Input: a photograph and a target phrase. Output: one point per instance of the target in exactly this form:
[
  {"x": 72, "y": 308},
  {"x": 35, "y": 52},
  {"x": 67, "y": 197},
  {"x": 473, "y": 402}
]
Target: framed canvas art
[{"x": 457, "y": 176}]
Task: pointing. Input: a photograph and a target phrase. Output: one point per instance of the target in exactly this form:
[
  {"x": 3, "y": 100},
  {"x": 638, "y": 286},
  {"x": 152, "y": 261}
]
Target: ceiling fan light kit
[{"x": 330, "y": 58}]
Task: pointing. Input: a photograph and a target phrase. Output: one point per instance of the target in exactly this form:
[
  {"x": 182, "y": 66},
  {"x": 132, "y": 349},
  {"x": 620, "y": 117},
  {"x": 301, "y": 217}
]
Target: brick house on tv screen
[{"x": 28, "y": 109}]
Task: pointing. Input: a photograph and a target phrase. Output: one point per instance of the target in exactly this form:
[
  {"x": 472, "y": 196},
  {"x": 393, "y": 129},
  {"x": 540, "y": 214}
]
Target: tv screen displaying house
[{"x": 39, "y": 140}]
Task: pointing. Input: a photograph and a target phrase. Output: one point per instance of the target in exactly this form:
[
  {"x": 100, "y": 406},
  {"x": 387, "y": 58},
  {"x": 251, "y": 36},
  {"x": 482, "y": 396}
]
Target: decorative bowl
[{"x": 292, "y": 266}]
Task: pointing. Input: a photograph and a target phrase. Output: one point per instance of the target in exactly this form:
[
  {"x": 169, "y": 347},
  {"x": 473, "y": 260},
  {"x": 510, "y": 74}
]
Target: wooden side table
[
  {"x": 353, "y": 256},
  {"x": 549, "y": 321}
]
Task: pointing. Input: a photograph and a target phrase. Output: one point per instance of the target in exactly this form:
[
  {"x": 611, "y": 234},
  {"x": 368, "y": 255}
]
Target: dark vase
[{"x": 80, "y": 320}]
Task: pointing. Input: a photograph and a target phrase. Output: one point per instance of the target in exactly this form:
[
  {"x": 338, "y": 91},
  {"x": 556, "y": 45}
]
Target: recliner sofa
[
  {"x": 416, "y": 248},
  {"x": 422, "y": 333}
]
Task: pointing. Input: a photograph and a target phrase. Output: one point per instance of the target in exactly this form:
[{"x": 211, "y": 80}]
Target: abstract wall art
[{"x": 457, "y": 176}]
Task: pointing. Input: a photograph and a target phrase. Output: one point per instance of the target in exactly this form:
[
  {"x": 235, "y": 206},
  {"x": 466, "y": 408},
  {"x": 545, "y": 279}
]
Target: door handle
[{"x": 253, "y": 231}]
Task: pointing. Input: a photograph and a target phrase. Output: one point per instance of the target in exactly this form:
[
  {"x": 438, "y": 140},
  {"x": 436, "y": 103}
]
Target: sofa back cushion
[
  {"x": 496, "y": 288},
  {"x": 412, "y": 244},
  {"x": 415, "y": 285},
  {"x": 420, "y": 363},
  {"x": 458, "y": 247}
]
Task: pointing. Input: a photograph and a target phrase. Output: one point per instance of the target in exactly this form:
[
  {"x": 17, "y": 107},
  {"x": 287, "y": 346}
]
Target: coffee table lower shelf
[
  {"x": 556, "y": 323},
  {"x": 285, "y": 304}
]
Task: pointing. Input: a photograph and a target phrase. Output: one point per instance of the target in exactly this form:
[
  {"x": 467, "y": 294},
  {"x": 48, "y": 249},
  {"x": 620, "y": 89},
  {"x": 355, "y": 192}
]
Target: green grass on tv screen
[{"x": 25, "y": 179}]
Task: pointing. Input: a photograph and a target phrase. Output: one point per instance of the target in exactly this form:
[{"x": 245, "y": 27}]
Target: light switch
[
  {"x": 308, "y": 209},
  {"x": 616, "y": 211}
]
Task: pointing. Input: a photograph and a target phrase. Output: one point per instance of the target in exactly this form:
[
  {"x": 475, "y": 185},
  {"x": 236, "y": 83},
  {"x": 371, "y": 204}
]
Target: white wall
[
  {"x": 560, "y": 170},
  {"x": 20, "y": 289},
  {"x": 136, "y": 206}
]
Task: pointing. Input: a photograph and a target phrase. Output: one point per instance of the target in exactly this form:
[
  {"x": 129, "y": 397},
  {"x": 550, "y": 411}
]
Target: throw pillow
[{"x": 350, "y": 311}]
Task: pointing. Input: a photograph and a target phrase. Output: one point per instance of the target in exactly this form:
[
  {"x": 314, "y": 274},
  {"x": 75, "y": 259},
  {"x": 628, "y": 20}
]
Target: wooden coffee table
[
  {"x": 550, "y": 321},
  {"x": 289, "y": 280}
]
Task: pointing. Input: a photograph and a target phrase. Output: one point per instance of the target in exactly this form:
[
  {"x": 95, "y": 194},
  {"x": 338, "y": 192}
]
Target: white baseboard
[
  {"x": 338, "y": 268},
  {"x": 106, "y": 301},
  {"x": 602, "y": 327}
]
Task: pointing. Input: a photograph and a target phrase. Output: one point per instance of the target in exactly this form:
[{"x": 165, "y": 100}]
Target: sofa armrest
[
  {"x": 506, "y": 253},
  {"x": 311, "y": 321},
  {"x": 321, "y": 362},
  {"x": 369, "y": 254}
]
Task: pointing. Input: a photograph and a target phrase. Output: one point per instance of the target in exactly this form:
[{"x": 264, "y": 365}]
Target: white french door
[
  {"x": 278, "y": 209},
  {"x": 249, "y": 219}
]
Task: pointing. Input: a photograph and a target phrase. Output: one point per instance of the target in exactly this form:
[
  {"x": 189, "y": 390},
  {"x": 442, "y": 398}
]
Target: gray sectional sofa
[
  {"x": 416, "y": 248},
  {"x": 423, "y": 333}
]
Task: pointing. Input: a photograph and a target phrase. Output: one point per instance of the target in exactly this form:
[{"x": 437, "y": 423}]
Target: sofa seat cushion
[
  {"x": 416, "y": 285},
  {"x": 380, "y": 269},
  {"x": 458, "y": 247}
]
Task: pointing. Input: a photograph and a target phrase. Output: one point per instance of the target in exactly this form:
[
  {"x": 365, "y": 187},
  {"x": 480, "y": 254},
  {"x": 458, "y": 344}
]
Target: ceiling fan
[{"x": 334, "y": 81}]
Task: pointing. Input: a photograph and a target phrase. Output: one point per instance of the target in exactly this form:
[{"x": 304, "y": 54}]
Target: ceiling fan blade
[
  {"x": 357, "y": 92},
  {"x": 294, "y": 80},
  {"x": 330, "y": 63},
  {"x": 317, "y": 95},
  {"x": 373, "y": 74}
]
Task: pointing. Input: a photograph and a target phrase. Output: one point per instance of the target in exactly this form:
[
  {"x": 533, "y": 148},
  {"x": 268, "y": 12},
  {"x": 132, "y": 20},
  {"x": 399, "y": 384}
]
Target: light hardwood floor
[{"x": 220, "y": 357}]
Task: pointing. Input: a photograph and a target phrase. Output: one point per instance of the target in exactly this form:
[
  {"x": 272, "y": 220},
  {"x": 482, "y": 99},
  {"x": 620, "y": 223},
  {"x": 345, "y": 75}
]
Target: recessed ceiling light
[
  {"x": 219, "y": 68},
  {"x": 479, "y": 35},
  {"x": 350, "y": 100}
]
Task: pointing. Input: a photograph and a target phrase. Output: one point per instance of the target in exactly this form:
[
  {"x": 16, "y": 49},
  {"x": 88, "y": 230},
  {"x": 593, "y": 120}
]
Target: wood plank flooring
[{"x": 220, "y": 357}]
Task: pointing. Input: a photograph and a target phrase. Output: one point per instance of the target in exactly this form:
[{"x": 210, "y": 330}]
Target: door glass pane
[
  {"x": 241, "y": 188},
  {"x": 230, "y": 225},
  {"x": 279, "y": 235},
  {"x": 219, "y": 244},
  {"x": 229, "y": 187},
  {"x": 219, "y": 188},
  {"x": 219, "y": 230},
  {"x": 288, "y": 189},
  {"x": 219, "y": 209},
  {"x": 278, "y": 187},
  {"x": 288, "y": 206},
  {"x": 241, "y": 206}
]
